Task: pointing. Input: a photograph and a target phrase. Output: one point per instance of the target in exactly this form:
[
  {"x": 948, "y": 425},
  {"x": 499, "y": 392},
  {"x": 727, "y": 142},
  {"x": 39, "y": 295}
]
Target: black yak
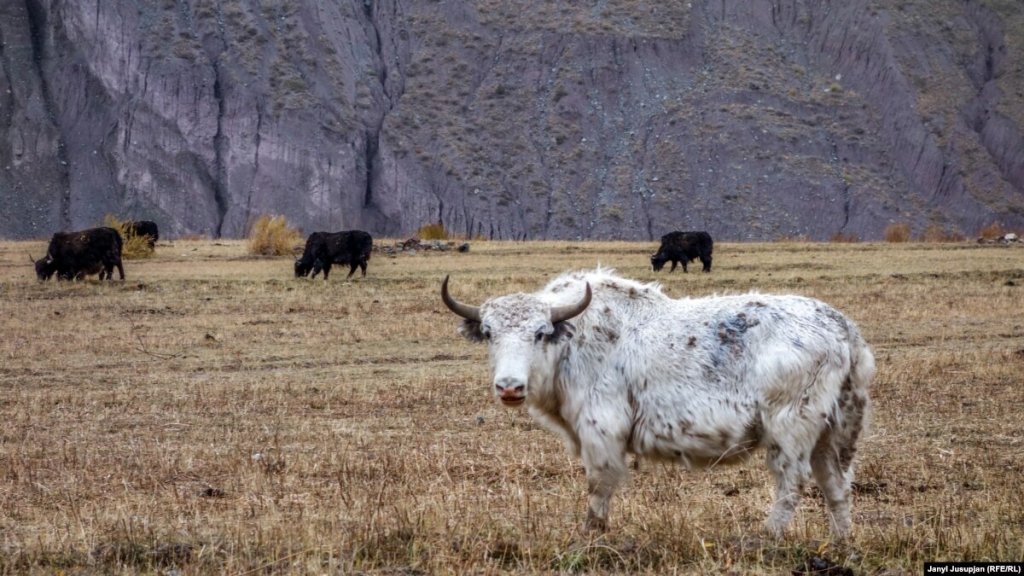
[
  {"x": 683, "y": 247},
  {"x": 324, "y": 249},
  {"x": 143, "y": 228},
  {"x": 74, "y": 255}
]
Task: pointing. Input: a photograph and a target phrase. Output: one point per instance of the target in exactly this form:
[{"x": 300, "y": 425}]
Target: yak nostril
[{"x": 504, "y": 385}]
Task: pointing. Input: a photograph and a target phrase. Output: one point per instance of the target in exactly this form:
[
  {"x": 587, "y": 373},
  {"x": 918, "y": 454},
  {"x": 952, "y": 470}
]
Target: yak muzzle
[{"x": 511, "y": 392}]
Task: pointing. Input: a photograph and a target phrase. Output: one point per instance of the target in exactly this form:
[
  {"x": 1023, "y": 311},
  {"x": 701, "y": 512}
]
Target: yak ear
[
  {"x": 563, "y": 331},
  {"x": 471, "y": 331}
]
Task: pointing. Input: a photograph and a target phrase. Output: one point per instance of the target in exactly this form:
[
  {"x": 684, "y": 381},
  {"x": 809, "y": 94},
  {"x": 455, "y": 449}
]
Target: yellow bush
[
  {"x": 899, "y": 232},
  {"x": 135, "y": 247},
  {"x": 992, "y": 231},
  {"x": 432, "y": 232},
  {"x": 272, "y": 236}
]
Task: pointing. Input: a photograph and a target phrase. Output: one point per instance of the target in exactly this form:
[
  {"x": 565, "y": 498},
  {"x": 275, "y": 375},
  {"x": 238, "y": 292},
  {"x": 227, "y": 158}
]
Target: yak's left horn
[
  {"x": 33, "y": 260},
  {"x": 562, "y": 313},
  {"x": 465, "y": 310}
]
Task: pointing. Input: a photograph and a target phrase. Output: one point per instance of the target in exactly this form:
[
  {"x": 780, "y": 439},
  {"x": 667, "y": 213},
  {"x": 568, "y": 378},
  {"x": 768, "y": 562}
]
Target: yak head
[
  {"x": 45, "y": 266},
  {"x": 658, "y": 260},
  {"x": 522, "y": 333},
  {"x": 302, "y": 267}
]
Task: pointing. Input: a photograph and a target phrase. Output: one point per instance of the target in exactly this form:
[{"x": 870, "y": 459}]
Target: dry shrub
[
  {"x": 936, "y": 233},
  {"x": 898, "y": 232},
  {"x": 272, "y": 236},
  {"x": 135, "y": 247},
  {"x": 432, "y": 232},
  {"x": 992, "y": 231},
  {"x": 844, "y": 238}
]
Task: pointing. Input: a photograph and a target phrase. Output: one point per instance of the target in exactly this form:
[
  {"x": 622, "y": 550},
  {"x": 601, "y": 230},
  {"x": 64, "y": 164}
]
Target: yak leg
[
  {"x": 707, "y": 263},
  {"x": 603, "y": 449},
  {"x": 790, "y": 465},
  {"x": 120, "y": 271},
  {"x": 673, "y": 268},
  {"x": 832, "y": 459},
  {"x": 352, "y": 270},
  {"x": 834, "y": 483},
  {"x": 362, "y": 266}
]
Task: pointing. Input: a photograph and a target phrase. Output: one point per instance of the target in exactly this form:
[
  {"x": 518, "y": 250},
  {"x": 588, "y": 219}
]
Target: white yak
[{"x": 615, "y": 366}]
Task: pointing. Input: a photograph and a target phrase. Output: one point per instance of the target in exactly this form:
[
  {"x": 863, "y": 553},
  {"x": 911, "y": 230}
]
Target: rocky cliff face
[{"x": 752, "y": 119}]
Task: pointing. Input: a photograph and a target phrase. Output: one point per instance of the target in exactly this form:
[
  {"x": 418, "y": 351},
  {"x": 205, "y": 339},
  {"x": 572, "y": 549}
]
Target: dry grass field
[{"x": 212, "y": 414}]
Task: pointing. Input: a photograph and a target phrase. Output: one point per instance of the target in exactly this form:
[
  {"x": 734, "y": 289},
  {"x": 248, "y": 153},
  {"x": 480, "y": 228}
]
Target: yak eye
[
  {"x": 486, "y": 331},
  {"x": 541, "y": 334}
]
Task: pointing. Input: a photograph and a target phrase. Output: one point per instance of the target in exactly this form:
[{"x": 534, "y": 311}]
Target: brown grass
[
  {"x": 432, "y": 232},
  {"x": 992, "y": 231},
  {"x": 844, "y": 237},
  {"x": 214, "y": 415},
  {"x": 898, "y": 232},
  {"x": 936, "y": 233},
  {"x": 273, "y": 236}
]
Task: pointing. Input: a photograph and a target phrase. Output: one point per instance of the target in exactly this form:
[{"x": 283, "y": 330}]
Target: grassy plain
[{"x": 212, "y": 414}]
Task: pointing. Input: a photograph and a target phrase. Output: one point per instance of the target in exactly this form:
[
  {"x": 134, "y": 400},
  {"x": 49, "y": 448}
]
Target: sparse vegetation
[
  {"x": 135, "y": 246},
  {"x": 936, "y": 233},
  {"x": 216, "y": 416},
  {"x": 844, "y": 237},
  {"x": 897, "y": 232},
  {"x": 273, "y": 236},
  {"x": 992, "y": 231},
  {"x": 434, "y": 231}
]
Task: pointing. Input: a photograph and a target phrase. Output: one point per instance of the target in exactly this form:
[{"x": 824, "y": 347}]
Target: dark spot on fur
[
  {"x": 846, "y": 454},
  {"x": 606, "y": 334},
  {"x": 562, "y": 330},
  {"x": 753, "y": 432},
  {"x": 732, "y": 330},
  {"x": 724, "y": 437},
  {"x": 560, "y": 287},
  {"x": 470, "y": 330},
  {"x": 692, "y": 342}
]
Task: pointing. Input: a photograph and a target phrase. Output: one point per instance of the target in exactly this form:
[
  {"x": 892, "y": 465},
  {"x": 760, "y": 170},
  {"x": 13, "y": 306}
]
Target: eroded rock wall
[{"x": 750, "y": 119}]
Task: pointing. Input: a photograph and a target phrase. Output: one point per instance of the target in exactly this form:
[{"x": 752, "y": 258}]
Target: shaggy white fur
[{"x": 698, "y": 381}]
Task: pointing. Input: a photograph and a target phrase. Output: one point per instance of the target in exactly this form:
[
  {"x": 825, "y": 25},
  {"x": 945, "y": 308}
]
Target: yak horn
[
  {"x": 465, "y": 310},
  {"x": 562, "y": 313},
  {"x": 30, "y": 257}
]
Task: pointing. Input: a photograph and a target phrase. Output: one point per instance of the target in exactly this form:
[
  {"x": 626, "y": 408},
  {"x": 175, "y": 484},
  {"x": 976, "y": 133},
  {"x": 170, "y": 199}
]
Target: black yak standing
[
  {"x": 323, "y": 249},
  {"x": 683, "y": 247},
  {"x": 74, "y": 255},
  {"x": 143, "y": 228}
]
